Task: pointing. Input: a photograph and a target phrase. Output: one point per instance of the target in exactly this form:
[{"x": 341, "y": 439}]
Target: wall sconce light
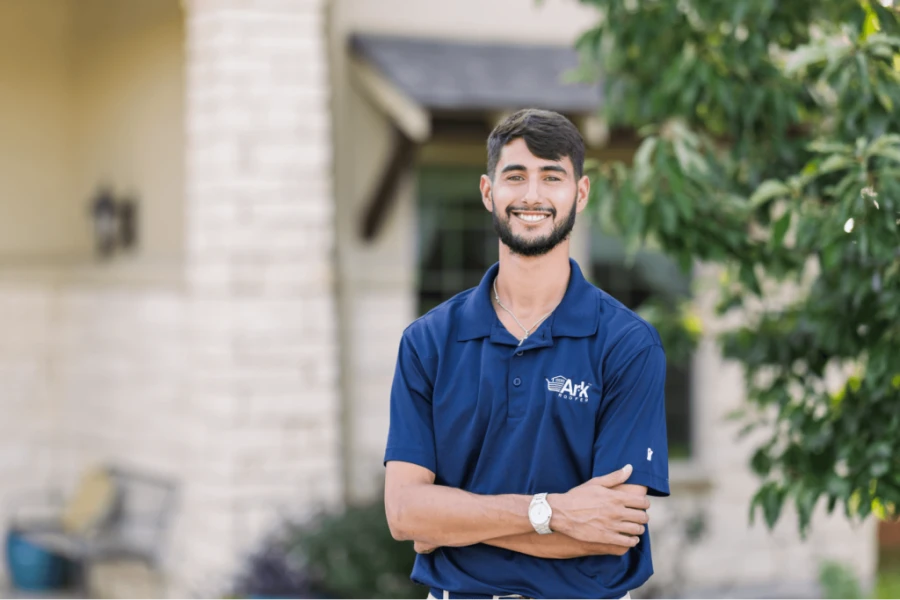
[
  {"x": 128, "y": 214},
  {"x": 114, "y": 222}
]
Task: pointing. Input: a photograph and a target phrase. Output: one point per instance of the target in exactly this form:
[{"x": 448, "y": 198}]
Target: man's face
[{"x": 533, "y": 200}]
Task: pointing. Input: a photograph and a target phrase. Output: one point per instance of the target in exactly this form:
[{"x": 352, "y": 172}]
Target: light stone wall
[
  {"x": 262, "y": 331},
  {"x": 118, "y": 358},
  {"x": 90, "y": 371},
  {"x": 30, "y": 423}
]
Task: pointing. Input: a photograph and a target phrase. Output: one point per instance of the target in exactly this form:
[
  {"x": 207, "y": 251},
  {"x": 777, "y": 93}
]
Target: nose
[{"x": 531, "y": 192}]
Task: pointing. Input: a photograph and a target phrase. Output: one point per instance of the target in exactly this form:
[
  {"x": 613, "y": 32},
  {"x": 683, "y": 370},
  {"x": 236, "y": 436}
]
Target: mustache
[{"x": 511, "y": 209}]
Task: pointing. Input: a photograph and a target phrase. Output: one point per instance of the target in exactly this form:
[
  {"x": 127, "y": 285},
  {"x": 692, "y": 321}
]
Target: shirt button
[
  {"x": 519, "y": 353},
  {"x": 517, "y": 382}
]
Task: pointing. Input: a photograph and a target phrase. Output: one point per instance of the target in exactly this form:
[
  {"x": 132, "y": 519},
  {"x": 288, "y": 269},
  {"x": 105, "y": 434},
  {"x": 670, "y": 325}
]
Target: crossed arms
[{"x": 602, "y": 516}]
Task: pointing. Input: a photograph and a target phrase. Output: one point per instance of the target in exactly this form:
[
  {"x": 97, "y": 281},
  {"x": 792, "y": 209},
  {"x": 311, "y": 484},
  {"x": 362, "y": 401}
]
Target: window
[
  {"x": 649, "y": 275},
  {"x": 457, "y": 242}
]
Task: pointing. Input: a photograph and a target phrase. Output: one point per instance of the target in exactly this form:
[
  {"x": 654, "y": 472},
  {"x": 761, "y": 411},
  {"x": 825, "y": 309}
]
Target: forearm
[
  {"x": 553, "y": 545},
  {"x": 444, "y": 516}
]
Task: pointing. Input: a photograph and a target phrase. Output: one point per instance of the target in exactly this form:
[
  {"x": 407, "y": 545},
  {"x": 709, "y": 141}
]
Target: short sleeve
[
  {"x": 411, "y": 430},
  {"x": 632, "y": 424}
]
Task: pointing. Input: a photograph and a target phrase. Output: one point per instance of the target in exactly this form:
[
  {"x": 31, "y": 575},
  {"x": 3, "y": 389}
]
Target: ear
[
  {"x": 486, "y": 198},
  {"x": 584, "y": 192}
]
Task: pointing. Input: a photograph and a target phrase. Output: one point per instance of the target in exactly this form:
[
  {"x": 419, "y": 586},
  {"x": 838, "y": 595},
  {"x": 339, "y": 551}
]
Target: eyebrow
[{"x": 545, "y": 168}]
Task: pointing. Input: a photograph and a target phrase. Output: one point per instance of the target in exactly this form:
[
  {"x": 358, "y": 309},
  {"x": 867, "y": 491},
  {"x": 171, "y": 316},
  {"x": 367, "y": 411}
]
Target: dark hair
[{"x": 547, "y": 134}]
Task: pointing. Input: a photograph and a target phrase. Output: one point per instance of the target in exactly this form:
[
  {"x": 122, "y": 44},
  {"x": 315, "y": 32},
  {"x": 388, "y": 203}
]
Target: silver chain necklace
[{"x": 527, "y": 331}]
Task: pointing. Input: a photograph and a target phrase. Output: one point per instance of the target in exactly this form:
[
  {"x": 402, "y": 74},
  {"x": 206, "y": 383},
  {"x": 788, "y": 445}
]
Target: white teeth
[{"x": 532, "y": 218}]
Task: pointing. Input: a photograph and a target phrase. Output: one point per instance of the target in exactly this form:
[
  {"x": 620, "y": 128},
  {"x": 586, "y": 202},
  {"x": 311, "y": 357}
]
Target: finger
[
  {"x": 615, "y": 478},
  {"x": 640, "y": 502},
  {"x": 630, "y": 528},
  {"x": 629, "y": 499},
  {"x": 635, "y": 516},
  {"x": 626, "y": 541}
]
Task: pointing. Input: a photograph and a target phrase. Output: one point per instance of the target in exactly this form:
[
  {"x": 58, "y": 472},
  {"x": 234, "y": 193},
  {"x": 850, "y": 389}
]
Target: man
[{"x": 527, "y": 414}]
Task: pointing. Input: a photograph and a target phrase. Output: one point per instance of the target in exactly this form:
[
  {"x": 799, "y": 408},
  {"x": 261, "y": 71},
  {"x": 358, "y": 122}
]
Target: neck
[{"x": 530, "y": 285}]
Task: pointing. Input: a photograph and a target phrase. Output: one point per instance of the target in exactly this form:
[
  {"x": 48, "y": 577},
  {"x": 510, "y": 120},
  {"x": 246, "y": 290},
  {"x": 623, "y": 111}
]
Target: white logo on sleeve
[
  {"x": 566, "y": 389},
  {"x": 649, "y": 454}
]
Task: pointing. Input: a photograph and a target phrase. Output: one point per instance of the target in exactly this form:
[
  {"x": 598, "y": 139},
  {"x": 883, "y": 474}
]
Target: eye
[
  {"x": 515, "y": 178},
  {"x": 552, "y": 178}
]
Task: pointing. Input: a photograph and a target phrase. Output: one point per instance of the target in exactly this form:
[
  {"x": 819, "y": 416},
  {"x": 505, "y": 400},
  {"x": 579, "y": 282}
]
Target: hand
[
  {"x": 423, "y": 548},
  {"x": 594, "y": 512}
]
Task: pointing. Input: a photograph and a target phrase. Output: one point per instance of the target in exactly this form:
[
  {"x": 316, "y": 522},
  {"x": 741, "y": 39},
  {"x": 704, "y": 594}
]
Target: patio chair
[{"x": 113, "y": 514}]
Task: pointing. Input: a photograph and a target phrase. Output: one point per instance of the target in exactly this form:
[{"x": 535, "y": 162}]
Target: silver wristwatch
[{"x": 539, "y": 513}]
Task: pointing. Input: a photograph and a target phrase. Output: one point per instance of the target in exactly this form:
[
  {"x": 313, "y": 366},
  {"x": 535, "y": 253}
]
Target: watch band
[{"x": 542, "y": 527}]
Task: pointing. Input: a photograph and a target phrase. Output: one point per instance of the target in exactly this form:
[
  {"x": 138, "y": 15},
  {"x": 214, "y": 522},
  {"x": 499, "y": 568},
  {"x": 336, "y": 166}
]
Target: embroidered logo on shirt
[
  {"x": 567, "y": 390},
  {"x": 649, "y": 454}
]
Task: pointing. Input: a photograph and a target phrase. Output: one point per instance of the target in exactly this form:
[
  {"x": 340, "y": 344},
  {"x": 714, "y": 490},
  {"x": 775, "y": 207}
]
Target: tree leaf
[
  {"x": 833, "y": 163},
  {"x": 805, "y": 502},
  {"x": 892, "y": 154},
  {"x": 749, "y": 279},
  {"x": 767, "y": 191},
  {"x": 642, "y": 169},
  {"x": 804, "y": 57},
  {"x": 884, "y": 97},
  {"x": 772, "y": 502},
  {"x": 780, "y": 228},
  {"x": 887, "y": 20},
  {"x": 830, "y": 147}
]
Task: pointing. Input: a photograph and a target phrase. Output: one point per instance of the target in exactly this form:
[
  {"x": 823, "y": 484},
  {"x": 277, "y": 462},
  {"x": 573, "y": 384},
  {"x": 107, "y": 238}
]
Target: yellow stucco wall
[
  {"x": 128, "y": 112},
  {"x": 35, "y": 130},
  {"x": 89, "y": 92}
]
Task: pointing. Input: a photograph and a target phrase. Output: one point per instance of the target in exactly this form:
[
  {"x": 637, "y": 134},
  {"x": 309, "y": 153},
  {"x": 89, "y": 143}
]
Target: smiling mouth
[{"x": 531, "y": 216}]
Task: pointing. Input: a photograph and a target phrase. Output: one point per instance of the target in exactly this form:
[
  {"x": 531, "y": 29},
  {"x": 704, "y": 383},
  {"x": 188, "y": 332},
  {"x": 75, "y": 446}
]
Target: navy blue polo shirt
[{"x": 581, "y": 397}]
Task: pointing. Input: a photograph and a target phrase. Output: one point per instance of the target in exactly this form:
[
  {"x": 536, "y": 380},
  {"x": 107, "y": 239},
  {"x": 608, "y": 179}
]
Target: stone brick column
[{"x": 263, "y": 389}]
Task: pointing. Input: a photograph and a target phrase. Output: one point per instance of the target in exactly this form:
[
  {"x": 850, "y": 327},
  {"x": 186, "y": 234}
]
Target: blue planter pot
[{"x": 32, "y": 568}]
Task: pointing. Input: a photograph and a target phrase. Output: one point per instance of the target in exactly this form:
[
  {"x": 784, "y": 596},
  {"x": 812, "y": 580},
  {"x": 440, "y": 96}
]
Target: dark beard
[{"x": 535, "y": 247}]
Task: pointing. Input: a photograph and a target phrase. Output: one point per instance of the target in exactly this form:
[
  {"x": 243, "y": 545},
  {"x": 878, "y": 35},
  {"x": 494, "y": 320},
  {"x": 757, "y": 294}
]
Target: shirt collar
[{"x": 578, "y": 315}]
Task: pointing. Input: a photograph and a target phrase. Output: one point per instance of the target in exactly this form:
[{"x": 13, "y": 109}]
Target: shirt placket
[{"x": 521, "y": 387}]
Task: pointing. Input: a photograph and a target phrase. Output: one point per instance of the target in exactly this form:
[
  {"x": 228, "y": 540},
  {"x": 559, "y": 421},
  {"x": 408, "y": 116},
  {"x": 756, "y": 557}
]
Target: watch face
[{"x": 540, "y": 513}]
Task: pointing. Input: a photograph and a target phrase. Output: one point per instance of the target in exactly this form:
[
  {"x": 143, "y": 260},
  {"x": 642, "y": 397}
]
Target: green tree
[{"x": 769, "y": 145}]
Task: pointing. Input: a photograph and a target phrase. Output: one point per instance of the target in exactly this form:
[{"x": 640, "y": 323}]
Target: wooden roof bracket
[
  {"x": 401, "y": 160},
  {"x": 412, "y": 127}
]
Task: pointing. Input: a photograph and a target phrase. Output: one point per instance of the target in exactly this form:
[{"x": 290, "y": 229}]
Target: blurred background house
[{"x": 299, "y": 182}]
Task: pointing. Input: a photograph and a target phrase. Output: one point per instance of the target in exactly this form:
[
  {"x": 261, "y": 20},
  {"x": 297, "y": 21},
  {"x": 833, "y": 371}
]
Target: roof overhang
[{"x": 440, "y": 75}]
